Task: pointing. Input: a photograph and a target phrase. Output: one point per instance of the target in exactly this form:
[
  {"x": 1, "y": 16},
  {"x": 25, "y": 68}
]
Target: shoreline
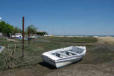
[{"x": 79, "y": 35}]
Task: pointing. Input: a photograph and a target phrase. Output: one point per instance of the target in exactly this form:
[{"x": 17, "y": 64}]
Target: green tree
[
  {"x": 42, "y": 33},
  {"x": 6, "y": 28},
  {"x": 31, "y": 29}
]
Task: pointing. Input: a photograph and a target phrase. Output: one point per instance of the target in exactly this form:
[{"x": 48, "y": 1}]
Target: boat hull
[{"x": 61, "y": 63}]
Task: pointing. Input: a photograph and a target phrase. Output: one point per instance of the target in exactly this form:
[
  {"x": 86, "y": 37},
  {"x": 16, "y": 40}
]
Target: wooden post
[
  {"x": 23, "y": 36},
  {"x": 28, "y": 36}
]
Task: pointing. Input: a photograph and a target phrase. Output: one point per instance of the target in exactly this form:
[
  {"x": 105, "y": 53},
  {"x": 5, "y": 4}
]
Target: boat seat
[
  {"x": 77, "y": 50},
  {"x": 63, "y": 54},
  {"x": 70, "y": 53}
]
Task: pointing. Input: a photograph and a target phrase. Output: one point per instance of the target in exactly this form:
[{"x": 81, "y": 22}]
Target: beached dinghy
[
  {"x": 1, "y": 48},
  {"x": 64, "y": 56}
]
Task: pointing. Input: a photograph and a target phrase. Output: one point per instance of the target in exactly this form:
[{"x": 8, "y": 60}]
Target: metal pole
[{"x": 23, "y": 36}]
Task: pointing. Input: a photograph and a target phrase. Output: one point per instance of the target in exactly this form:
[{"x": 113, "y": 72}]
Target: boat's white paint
[{"x": 60, "y": 62}]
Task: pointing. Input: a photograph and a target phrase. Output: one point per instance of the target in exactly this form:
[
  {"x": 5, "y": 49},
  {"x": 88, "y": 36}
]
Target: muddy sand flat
[
  {"x": 71, "y": 70},
  {"x": 84, "y": 70}
]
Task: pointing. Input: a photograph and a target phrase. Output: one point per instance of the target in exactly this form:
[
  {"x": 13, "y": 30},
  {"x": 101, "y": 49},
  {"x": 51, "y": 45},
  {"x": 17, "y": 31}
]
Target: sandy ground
[
  {"x": 12, "y": 40},
  {"x": 109, "y": 40}
]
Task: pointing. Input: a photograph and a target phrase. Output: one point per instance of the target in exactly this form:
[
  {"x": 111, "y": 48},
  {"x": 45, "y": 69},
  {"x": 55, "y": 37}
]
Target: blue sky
[{"x": 62, "y": 17}]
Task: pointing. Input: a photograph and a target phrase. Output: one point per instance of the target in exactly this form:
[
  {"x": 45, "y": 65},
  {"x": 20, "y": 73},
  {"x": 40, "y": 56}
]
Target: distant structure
[
  {"x": 17, "y": 35},
  {"x": 33, "y": 36},
  {"x": 48, "y": 35}
]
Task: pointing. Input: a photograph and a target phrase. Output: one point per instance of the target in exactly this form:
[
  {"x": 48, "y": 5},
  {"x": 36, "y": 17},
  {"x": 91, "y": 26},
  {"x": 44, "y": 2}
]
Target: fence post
[{"x": 23, "y": 36}]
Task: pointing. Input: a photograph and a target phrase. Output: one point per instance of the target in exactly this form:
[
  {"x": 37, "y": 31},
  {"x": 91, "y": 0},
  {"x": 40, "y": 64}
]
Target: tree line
[{"x": 8, "y": 29}]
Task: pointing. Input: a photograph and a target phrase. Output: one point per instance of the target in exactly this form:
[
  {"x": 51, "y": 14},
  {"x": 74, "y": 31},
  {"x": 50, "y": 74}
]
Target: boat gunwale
[{"x": 59, "y": 58}]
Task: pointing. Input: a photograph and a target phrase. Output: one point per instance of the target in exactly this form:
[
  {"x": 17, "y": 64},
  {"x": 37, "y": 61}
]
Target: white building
[{"x": 17, "y": 35}]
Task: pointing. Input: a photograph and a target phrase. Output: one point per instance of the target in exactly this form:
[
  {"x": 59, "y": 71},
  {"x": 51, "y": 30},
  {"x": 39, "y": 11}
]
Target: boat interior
[{"x": 67, "y": 53}]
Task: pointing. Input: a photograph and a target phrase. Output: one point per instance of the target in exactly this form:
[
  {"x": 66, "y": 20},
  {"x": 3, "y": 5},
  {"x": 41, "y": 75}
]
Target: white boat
[
  {"x": 64, "y": 56},
  {"x": 1, "y": 48}
]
